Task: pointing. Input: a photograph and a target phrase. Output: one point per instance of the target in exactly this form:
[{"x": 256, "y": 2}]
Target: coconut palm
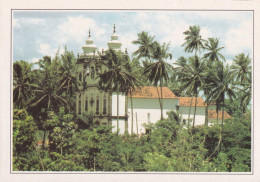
[
  {"x": 192, "y": 79},
  {"x": 145, "y": 42},
  {"x": 117, "y": 78},
  {"x": 213, "y": 49},
  {"x": 246, "y": 95},
  {"x": 158, "y": 72},
  {"x": 132, "y": 84},
  {"x": 241, "y": 67},
  {"x": 47, "y": 96},
  {"x": 68, "y": 77},
  {"x": 193, "y": 40},
  {"x": 22, "y": 83},
  {"x": 221, "y": 85}
]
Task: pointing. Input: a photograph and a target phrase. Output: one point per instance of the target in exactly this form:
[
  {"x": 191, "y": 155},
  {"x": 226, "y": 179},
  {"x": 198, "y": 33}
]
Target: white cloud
[
  {"x": 174, "y": 33},
  {"x": 239, "y": 39},
  {"x": 205, "y": 33},
  {"x": 34, "y": 60},
  {"x": 218, "y": 15},
  {"x": 46, "y": 50},
  {"x": 76, "y": 29},
  {"x": 141, "y": 16},
  {"x": 16, "y": 23},
  {"x": 126, "y": 40},
  {"x": 36, "y": 20}
]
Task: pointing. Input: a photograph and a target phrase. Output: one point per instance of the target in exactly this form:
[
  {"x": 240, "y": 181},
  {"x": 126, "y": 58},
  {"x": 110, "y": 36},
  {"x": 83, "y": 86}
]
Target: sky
[{"x": 39, "y": 33}]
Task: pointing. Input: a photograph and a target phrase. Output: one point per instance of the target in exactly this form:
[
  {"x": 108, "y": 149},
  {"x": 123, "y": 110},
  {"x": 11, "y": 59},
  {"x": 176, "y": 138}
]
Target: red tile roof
[
  {"x": 185, "y": 101},
  {"x": 151, "y": 92},
  {"x": 212, "y": 114}
]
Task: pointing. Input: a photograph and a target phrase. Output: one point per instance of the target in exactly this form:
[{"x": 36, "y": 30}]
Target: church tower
[{"x": 90, "y": 99}]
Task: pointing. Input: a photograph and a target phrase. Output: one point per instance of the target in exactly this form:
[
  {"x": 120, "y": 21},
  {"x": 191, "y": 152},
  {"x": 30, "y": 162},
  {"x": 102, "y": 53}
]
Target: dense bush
[{"x": 167, "y": 147}]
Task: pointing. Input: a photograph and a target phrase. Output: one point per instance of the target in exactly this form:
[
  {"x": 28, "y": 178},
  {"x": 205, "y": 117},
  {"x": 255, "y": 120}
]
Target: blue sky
[{"x": 39, "y": 33}]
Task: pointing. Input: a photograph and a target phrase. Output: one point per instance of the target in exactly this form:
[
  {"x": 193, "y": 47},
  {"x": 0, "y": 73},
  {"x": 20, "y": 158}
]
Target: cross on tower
[{"x": 114, "y": 28}]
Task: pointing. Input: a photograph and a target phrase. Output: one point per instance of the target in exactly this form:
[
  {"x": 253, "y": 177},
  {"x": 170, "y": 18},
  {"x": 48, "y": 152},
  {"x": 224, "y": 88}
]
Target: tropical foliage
[{"x": 49, "y": 136}]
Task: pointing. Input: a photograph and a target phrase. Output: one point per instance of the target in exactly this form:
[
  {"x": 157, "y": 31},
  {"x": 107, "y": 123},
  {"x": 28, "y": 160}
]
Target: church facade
[{"x": 103, "y": 104}]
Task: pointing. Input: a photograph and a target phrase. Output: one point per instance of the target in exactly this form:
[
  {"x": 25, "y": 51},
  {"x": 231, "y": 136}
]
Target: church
[{"x": 146, "y": 108}]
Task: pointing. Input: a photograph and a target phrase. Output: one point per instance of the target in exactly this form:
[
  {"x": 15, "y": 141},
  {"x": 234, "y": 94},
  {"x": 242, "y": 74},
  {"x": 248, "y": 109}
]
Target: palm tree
[
  {"x": 22, "y": 83},
  {"x": 246, "y": 94},
  {"x": 145, "y": 42},
  {"x": 193, "y": 40},
  {"x": 117, "y": 78},
  {"x": 159, "y": 71},
  {"x": 48, "y": 94},
  {"x": 241, "y": 67},
  {"x": 221, "y": 85},
  {"x": 192, "y": 79},
  {"x": 213, "y": 53},
  {"x": 68, "y": 77},
  {"x": 132, "y": 84}
]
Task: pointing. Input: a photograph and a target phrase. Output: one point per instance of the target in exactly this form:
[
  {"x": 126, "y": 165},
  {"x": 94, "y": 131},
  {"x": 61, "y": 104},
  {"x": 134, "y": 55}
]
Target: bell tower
[{"x": 90, "y": 99}]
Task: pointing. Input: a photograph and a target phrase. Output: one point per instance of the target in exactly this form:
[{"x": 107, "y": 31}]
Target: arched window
[
  {"x": 104, "y": 105},
  {"x": 92, "y": 72},
  {"x": 80, "y": 76},
  {"x": 97, "y": 105},
  {"x": 86, "y": 104},
  {"x": 79, "y": 105}
]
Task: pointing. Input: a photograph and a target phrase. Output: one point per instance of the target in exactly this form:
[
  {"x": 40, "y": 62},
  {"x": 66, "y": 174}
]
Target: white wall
[
  {"x": 143, "y": 106},
  {"x": 121, "y": 104},
  {"x": 121, "y": 112},
  {"x": 200, "y": 114},
  {"x": 121, "y": 126}
]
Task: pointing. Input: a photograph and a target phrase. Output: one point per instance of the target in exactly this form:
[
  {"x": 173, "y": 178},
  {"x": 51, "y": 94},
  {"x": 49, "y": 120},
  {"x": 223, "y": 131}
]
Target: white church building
[{"x": 146, "y": 108}]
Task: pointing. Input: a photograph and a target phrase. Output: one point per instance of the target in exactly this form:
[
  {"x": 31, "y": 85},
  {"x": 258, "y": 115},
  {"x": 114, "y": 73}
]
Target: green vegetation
[{"x": 49, "y": 136}]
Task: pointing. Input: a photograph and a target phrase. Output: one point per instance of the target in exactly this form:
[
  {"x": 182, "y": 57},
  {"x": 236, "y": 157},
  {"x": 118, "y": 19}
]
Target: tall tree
[
  {"x": 212, "y": 56},
  {"x": 68, "y": 75},
  {"x": 145, "y": 42},
  {"x": 117, "y": 77},
  {"x": 213, "y": 49},
  {"x": 193, "y": 40},
  {"x": 241, "y": 67},
  {"x": 48, "y": 95},
  {"x": 22, "y": 83},
  {"x": 192, "y": 79},
  {"x": 132, "y": 84},
  {"x": 158, "y": 72},
  {"x": 221, "y": 85}
]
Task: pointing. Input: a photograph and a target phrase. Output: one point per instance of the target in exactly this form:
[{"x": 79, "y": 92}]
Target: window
[
  {"x": 97, "y": 105},
  {"x": 177, "y": 108},
  {"x": 87, "y": 71},
  {"x": 80, "y": 76},
  {"x": 104, "y": 105},
  {"x": 149, "y": 117},
  {"x": 86, "y": 104},
  {"x": 92, "y": 72},
  {"x": 79, "y": 105}
]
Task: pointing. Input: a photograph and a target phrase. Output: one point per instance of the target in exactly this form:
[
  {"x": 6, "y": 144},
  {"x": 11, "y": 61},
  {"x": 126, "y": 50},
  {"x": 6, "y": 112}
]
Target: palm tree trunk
[
  {"x": 161, "y": 99},
  {"x": 132, "y": 114},
  {"x": 190, "y": 110},
  {"x": 195, "y": 111},
  {"x": 222, "y": 122},
  {"x": 206, "y": 115},
  {"x": 136, "y": 125},
  {"x": 44, "y": 136},
  {"x": 217, "y": 116},
  {"x": 160, "y": 102},
  {"x": 117, "y": 110}
]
